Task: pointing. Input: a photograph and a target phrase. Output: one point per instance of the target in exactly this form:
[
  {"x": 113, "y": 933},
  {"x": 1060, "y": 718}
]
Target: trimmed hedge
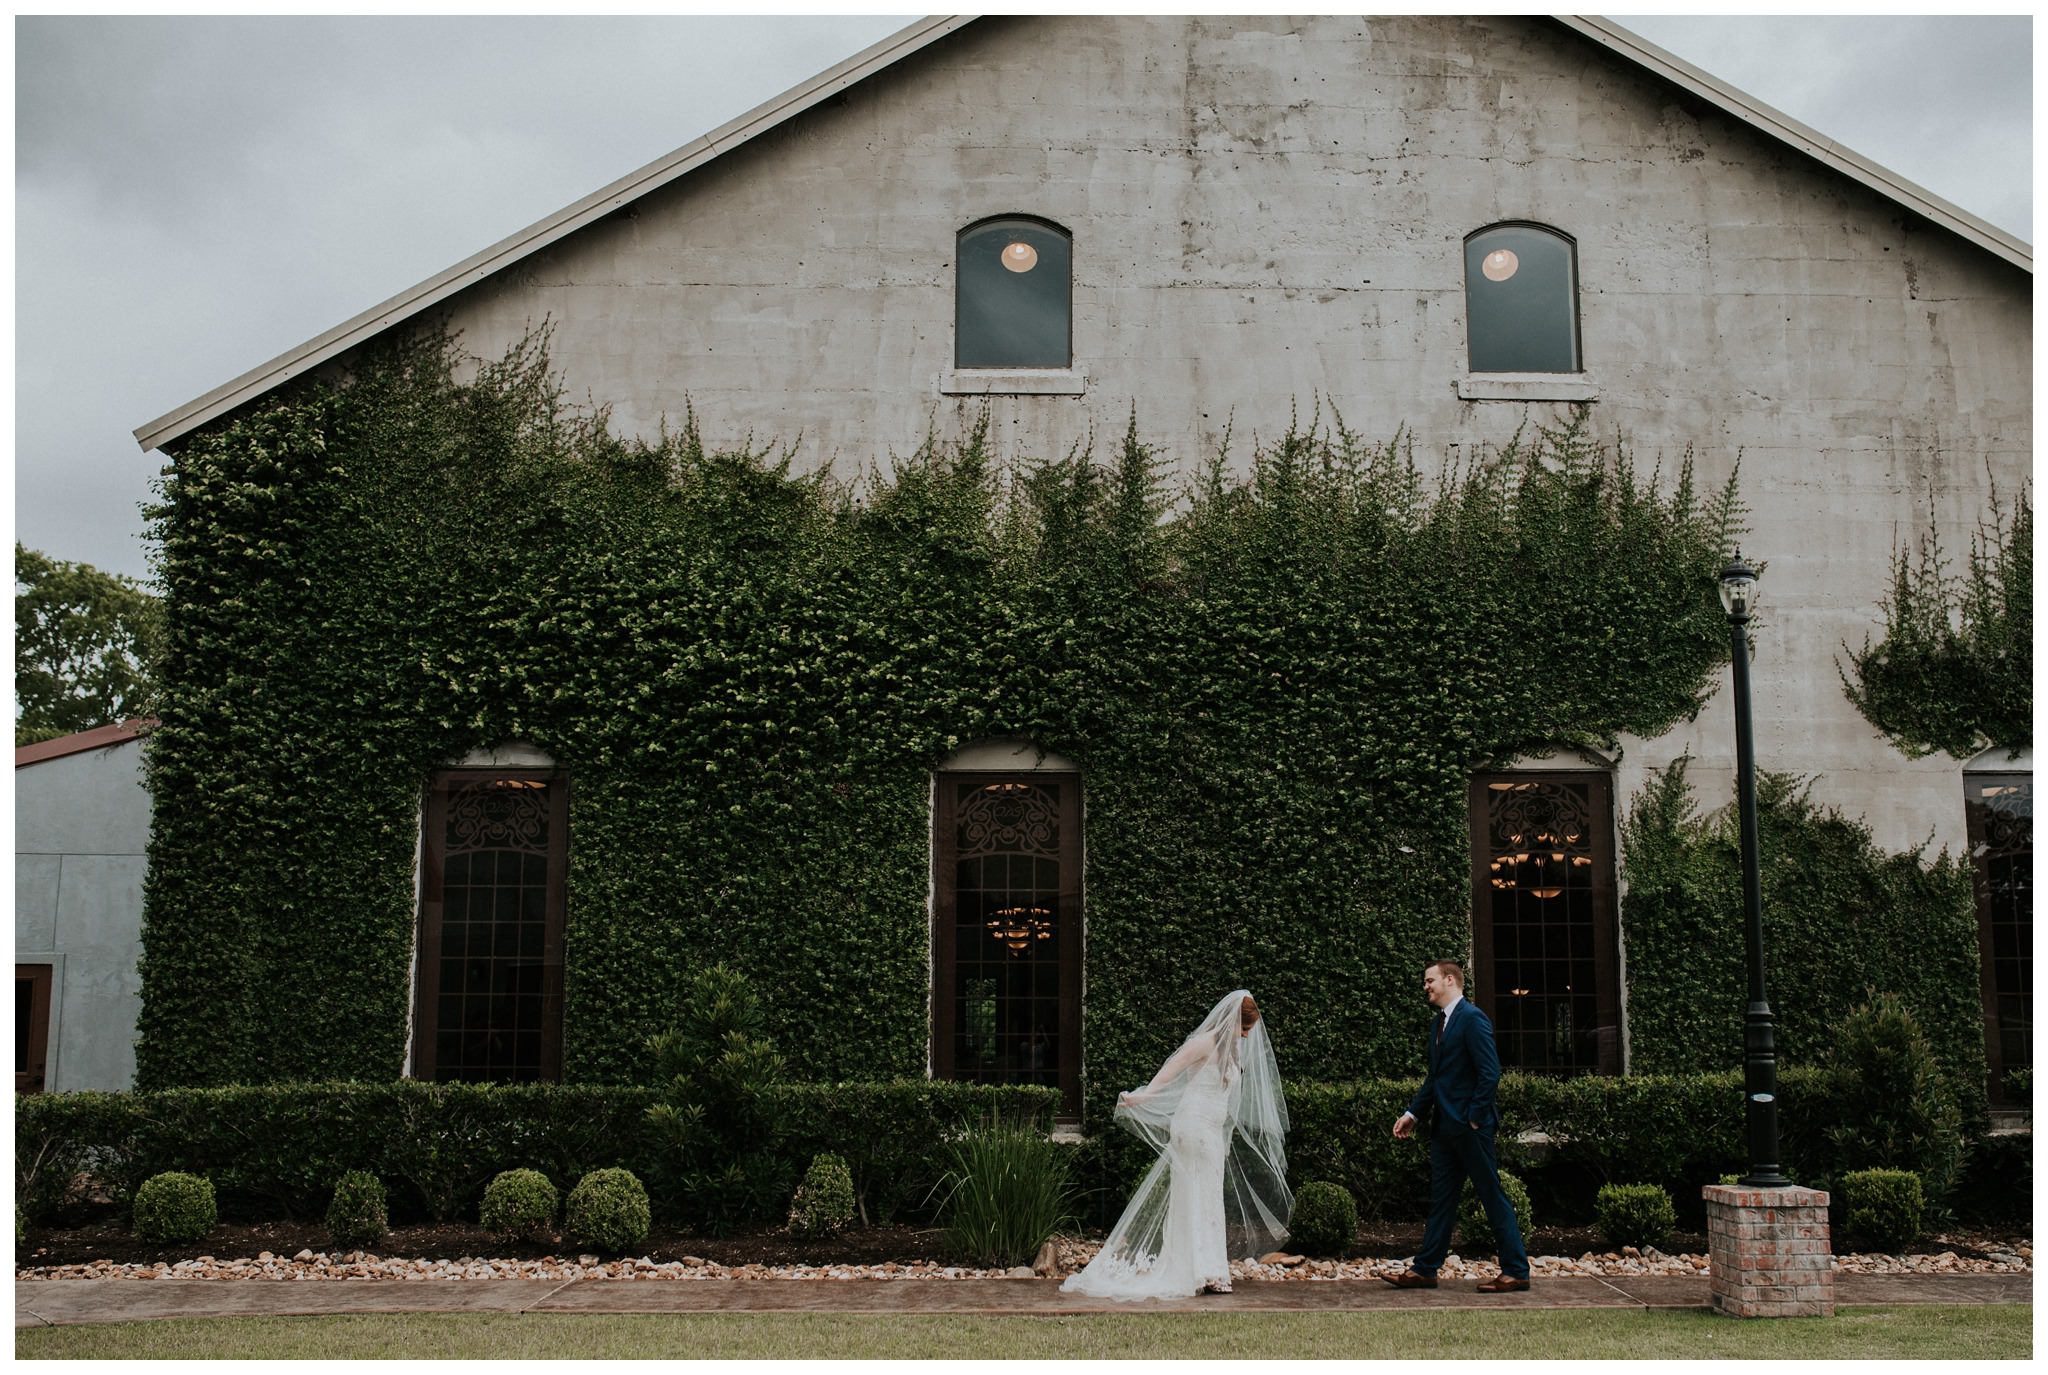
[{"x": 273, "y": 1151}]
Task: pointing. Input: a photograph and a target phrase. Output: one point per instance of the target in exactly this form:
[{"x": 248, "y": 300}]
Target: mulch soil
[{"x": 109, "y": 1239}]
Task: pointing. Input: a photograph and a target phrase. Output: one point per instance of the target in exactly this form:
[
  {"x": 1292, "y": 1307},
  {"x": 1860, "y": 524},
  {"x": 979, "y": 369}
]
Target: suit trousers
[{"x": 1458, "y": 1153}]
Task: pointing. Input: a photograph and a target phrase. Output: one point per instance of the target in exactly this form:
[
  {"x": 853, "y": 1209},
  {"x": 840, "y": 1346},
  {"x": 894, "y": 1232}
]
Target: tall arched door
[{"x": 1006, "y": 939}]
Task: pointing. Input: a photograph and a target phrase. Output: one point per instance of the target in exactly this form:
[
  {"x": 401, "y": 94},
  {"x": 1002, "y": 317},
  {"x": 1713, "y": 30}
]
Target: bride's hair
[{"x": 1250, "y": 1014}]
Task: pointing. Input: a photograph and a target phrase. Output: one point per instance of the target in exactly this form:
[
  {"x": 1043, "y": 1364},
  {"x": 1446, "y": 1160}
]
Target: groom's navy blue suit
[{"x": 1456, "y": 1103}]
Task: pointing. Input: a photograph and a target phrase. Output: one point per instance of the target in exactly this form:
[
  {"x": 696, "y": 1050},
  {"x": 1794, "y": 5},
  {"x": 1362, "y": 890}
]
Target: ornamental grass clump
[
  {"x": 1324, "y": 1221},
  {"x": 1472, "y": 1224},
  {"x": 1006, "y": 1192},
  {"x": 824, "y": 1204},
  {"x": 607, "y": 1211},
  {"x": 356, "y": 1216},
  {"x": 519, "y": 1205},
  {"x": 1881, "y": 1208},
  {"x": 1636, "y": 1215},
  {"x": 174, "y": 1206}
]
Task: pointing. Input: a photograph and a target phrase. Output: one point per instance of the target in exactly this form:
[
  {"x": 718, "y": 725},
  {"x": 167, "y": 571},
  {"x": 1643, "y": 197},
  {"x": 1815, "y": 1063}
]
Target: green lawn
[{"x": 1902, "y": 1333}]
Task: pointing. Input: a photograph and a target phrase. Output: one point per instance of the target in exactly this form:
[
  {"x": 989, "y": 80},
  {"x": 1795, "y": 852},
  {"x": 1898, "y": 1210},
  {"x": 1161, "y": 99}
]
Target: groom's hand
[{"x": 1404, "y": 1126}]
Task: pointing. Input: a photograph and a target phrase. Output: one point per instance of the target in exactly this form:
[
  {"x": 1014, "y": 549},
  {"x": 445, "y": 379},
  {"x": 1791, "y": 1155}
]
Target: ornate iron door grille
[
  {"x": 1007, "y": 940},
  {"x": 489, "y": 1004},
  {"x": 1999, "y": 809},
  {"x": 1544, "y": 937}
]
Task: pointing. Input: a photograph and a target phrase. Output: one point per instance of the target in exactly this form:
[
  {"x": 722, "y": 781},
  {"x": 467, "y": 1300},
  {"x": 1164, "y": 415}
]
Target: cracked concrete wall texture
[{"x": 1268, "y": 214}]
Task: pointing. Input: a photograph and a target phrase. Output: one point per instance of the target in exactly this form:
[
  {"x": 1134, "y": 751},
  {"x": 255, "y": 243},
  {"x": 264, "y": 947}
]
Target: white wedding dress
[{"x": 1219, "y": 1187}]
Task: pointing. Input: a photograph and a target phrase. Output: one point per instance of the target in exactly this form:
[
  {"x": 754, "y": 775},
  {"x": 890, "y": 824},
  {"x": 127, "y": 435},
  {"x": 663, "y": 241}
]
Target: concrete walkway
[{"x": 49, "y": 1303}]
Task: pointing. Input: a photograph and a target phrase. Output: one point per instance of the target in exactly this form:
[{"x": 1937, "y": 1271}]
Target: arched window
[
  {"x": 1545, "y": 927},
  {"x": 487, "y": 1002},
  {"x": 1521, "y": 300},
  {"x": 1013, "y": 300}
]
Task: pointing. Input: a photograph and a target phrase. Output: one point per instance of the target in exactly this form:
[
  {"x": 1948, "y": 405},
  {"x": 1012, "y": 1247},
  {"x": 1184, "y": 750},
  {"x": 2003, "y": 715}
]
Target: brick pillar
[{"x": 1768, "y": 1252}]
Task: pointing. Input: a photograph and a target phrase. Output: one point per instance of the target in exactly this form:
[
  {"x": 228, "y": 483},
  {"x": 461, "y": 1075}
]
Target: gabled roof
[
  {"x": 98, "y": 738},
  {"x": 176, "y": 424}
]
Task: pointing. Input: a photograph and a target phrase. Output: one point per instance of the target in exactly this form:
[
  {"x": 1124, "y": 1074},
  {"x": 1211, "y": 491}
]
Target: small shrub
[
  {"x": 1472, "y": 1224},
  {"x": 1006, "y": 1192},
  {"x": 1635, "y": 1214},
  {"x": 607, "y": 1211},
  {"x": 1901, "y": 1111},
  {"x": 823, "y": 1205},
  {"x": 1881, "y": 1208},
  {"x": 174, "y": 1206},
  {"x": 519, "y": 1205},
  {"x": 356, "y": 1216},
  {"x": 1324, "y": 1221}
]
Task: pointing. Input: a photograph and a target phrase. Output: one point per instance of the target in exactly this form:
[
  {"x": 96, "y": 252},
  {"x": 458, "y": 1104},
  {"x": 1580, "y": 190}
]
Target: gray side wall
[
  {"x": 1268, "y": 215},
  {"x": 81, "y": 829}
]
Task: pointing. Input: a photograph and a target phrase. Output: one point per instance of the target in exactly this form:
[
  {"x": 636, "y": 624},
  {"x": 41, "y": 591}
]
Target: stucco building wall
[
  {"x": 1267, "y": 215},
  {"x": 81, "y": 829}
]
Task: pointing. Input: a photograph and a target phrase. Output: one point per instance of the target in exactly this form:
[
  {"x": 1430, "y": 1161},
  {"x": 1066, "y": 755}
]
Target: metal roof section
[
  {"x": 98, "y": 738},
  {"x": 177, "y": 423},
  {"x": 1812, "y": 142}
]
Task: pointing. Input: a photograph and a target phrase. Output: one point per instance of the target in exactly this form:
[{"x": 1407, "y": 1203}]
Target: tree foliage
[
  {"x": 85, "y": 644},
  {"x": 1955, "y": 669}
]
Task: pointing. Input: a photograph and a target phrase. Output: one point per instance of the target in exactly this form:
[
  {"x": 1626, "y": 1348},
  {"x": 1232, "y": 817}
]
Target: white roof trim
[
  {"x": 193, "y": 414},
  {"x": 1812, "y": 142},
  {"x": 190, "y": 416}
]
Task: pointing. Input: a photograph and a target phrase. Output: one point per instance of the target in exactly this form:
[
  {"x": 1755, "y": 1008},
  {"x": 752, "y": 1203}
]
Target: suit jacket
[{"x": 1463, "y": 1070}]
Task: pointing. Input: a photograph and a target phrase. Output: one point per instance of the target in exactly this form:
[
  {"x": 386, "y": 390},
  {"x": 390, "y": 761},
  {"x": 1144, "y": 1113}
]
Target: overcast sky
[{"x": 196, "y": 196}]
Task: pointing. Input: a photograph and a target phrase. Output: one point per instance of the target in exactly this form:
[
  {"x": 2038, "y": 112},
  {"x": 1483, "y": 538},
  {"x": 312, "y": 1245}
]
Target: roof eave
[
  {"x": 1812, "y": 142},
  {"x": 176, "y": 424}
]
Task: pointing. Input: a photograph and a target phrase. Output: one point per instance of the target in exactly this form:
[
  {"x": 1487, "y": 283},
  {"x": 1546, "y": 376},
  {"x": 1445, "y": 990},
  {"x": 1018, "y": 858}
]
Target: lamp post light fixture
[{"x": 1760, "y": 1060}]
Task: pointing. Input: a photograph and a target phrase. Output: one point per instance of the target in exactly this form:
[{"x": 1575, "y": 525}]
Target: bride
[{"x": 1217, "y": 1117}]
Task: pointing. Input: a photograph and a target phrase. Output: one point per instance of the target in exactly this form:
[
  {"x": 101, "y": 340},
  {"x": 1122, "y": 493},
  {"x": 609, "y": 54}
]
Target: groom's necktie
[{"x": 1439, "y": 1028}]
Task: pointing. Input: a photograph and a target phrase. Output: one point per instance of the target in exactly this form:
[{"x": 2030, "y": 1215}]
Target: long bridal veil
[{"x": 1215, "y": 1060}]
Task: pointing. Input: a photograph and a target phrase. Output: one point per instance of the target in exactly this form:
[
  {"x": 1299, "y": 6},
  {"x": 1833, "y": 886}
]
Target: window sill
[
  {"x": 1013, "y": 382},
  {"x": 1527, "y": 386}
]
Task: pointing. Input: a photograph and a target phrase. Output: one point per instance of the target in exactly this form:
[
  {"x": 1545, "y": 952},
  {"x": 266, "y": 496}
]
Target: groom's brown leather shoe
[
  {"x": 1503, "y": 1284},
  {"x": 1408, "y": 1279}
]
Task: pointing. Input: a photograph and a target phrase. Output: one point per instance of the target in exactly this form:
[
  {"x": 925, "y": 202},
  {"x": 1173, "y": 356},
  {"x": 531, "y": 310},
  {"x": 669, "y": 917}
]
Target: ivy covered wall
[
  {"x": 1276, "y": 682},
  {"x": 1842, "y": 920}
]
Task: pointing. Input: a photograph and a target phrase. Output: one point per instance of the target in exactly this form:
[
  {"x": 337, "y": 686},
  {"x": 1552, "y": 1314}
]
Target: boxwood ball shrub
[
  {"x": 1472, "y": 1224},
  {"x": 1324, "y": 1221},
  {"x": 607, "y": 1210},
  {"x": 823, "y": 1205},
  {"x": 519, "y": 1204},
  {"x": 1635, "y": 1214},
  {"x": 174, "y": 1206},
  {"x": 356, "y": 1217},
  {"x": 1881, "y": 1208}
]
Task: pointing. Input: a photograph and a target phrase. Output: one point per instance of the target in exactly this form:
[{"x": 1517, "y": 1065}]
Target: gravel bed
[{"x": 1068, "y": 1256}]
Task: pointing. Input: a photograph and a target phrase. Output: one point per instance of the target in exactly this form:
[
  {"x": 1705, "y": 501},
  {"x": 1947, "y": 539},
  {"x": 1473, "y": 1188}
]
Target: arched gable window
[
  {"x": 1013, "y": 300},
  {"x": 1521, "y": 300}
]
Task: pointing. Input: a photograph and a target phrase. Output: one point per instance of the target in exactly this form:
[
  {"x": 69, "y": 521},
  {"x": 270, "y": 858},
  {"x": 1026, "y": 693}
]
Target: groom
[{"x": 1456, "y": 1100}]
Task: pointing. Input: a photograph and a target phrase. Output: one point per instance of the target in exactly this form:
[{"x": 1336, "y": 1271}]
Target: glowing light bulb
[
  {"x": 1500, "y": 264},
  {"x": 1020, "y": 256}
]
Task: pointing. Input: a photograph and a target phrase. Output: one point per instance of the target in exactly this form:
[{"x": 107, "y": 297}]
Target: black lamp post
[{"x": 1760, "y": 1060}]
